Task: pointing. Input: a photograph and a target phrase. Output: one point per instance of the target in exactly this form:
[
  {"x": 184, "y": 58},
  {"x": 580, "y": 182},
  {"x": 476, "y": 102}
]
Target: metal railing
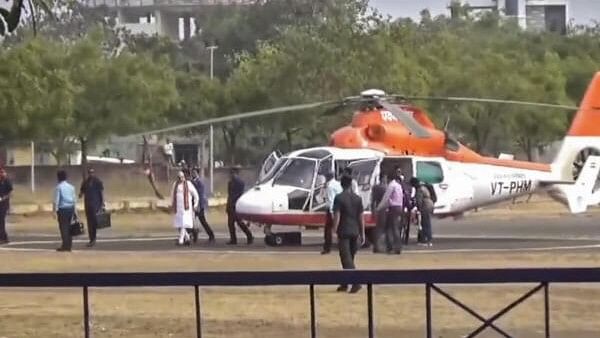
[{"x": 431, "y": 279}]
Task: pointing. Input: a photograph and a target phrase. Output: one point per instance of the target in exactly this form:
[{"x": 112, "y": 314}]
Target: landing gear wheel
[{"x": 278, "y": 240}]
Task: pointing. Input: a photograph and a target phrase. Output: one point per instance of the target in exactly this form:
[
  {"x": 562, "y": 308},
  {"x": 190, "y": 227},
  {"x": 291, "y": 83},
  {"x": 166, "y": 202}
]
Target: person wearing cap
[
  {"x": 393, "y": 201},
  {"x": 332, "y": 189},
  {"x": 92, "y": 191},
  {"x": 6, "y": 189},
  {"x": 184, "y": 203},
  {"x": 235, "y": 189}
]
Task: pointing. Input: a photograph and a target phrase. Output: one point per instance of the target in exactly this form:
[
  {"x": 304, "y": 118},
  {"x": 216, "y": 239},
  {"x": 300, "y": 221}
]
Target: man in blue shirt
[
  {"x": 202, "y": 206},
  {"x": 64, "y": 206}
]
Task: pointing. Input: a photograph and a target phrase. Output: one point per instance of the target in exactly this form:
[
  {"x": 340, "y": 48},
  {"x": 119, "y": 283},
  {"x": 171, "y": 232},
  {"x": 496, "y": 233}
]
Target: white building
[
  {"x": 535, "y": 14},
  {"x": 173, "y": 18}
]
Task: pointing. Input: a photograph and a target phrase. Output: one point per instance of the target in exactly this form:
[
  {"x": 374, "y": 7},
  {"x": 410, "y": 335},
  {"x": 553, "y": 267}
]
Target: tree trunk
[
  {"x": 230, "y": 136},
  {"x": 84, "y": 152},
  {"x": 288, "y": 137}
]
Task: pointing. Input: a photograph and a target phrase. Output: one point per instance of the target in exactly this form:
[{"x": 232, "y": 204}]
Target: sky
[{"x": 582, "y": 11}]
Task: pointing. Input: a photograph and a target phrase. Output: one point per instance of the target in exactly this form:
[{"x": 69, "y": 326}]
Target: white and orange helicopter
[{"x": 386, "y": 132}]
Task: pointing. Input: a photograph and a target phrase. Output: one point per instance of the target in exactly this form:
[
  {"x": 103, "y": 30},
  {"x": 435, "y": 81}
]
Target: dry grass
[{"x": 276, "y": 311}]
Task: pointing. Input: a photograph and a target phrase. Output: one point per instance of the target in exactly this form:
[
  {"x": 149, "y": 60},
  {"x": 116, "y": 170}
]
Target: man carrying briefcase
[{"x": 92, "y": 190}]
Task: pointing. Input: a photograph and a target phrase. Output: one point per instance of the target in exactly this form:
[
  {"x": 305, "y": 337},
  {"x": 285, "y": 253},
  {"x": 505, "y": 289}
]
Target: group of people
[
  {"x": 393, "y": 201},
  {"x": 189, "y": 201},
  {"x": 65, "y": 211}
]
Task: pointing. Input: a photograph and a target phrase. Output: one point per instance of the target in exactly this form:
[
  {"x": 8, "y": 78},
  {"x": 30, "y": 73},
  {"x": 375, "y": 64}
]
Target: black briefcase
[
  {"x": 76, "y": 227},
  {"x": 103, "y": 219}
]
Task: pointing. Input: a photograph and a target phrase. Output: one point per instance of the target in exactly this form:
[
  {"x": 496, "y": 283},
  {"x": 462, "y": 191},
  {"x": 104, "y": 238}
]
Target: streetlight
[{"x": 212, "y": 48}]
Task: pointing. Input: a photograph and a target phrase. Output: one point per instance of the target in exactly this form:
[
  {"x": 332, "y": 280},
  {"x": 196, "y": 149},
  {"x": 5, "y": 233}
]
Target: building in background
[
  {"x": 172, "y": 18},
  {"x": 553, "y": 15}
]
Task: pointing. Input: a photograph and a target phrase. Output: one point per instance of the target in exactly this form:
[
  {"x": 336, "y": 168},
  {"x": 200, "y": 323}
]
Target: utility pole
[
  {"x": 211, "y": 155},
  {"x": 32, "y": 166}
]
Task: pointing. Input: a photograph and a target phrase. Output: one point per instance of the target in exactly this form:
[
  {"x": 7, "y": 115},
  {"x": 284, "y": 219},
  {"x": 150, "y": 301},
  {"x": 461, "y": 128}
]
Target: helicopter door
[
  {"x": 365, "y": 172},
  {"x": 268, "y": 165},
  {"x": 318, "y": 201}
]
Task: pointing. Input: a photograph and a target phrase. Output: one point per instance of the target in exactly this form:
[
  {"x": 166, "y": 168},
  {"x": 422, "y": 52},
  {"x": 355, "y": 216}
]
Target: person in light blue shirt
[
  {"x": 64, "y": 206},
  {"x": 332, "y": 189}
]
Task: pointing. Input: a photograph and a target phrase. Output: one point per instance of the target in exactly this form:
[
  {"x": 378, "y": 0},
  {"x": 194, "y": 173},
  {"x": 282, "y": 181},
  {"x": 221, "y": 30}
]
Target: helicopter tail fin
[
  {"x": 579, "y": 195},
  {"x": 581, "y": 143}
]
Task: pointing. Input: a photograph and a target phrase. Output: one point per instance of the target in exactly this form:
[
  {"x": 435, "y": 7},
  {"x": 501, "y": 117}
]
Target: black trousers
[
  {"x": 328, "y": 232},
  {"x": 233, "y": 218},
  {"x": 65, "y": 216},
  {"x": 348, "y": 246},
  {"x": 92, "y": 222},
  {"x": 393, "y": 238},
  {"x": 202, "y": 217},
  {"x": 3, "y": 212},
  {"x": 380, "y": 224}
]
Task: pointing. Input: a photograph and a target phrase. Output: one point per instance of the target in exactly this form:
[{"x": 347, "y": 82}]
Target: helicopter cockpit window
[
  {"x": 275, "y": 169},
  {"x": 430, "y": 172},
  {"x": 316, "y": 153},
  {"x": 298, "y": 173}
]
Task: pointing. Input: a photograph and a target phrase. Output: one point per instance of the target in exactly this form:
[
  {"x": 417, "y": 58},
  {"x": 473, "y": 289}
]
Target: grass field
[
  {"x": 276, "y": 311},
  {"x": 283, "y": 312}
]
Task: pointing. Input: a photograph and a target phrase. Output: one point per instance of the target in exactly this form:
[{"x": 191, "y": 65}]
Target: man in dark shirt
[
  {"x": 377, "y": 193},
  {"x": 348, "y": 223},
  {"x": 5, "y": 191},
  {"x": 202, "y": 206},
  {"x": 92, "y": 190},
  {"x": 235, "y": 189}
]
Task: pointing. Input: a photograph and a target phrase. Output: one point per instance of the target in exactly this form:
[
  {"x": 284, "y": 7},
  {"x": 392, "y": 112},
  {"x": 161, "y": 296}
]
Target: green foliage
[{"x": 87, "y": 79}]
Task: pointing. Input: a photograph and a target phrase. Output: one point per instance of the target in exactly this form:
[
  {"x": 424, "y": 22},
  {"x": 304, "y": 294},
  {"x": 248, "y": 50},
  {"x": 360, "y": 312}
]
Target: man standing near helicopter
[{"x": 332, "y": 189}]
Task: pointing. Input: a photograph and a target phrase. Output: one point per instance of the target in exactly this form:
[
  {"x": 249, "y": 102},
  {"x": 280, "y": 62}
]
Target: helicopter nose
[{"x": 254, "y": 202}]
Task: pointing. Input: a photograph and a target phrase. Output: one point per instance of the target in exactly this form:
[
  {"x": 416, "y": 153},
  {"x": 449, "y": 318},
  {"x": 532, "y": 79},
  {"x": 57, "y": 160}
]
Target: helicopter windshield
[
  {"x": 298, "y": 172},
  {"x": 278, "y": 164}
]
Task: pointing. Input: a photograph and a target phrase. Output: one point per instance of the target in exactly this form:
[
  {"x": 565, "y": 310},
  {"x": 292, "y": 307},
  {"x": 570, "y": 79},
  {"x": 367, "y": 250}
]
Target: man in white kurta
[{"x": 185, "y": 201}]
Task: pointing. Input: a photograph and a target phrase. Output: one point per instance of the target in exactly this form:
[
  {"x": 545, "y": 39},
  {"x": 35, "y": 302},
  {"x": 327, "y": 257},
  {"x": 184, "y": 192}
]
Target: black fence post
[
  {"x": 547, "y": 309},
  {"x": 198, "y": 315},
  {"x": 370, "y": 310},
  {"x": 86, "y": 313},
  {"x": 313, "y": 320},
  {"x": 428, "y": 308}
]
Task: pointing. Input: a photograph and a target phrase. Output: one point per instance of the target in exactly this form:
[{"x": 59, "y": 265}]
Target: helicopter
[{"x": 387, "y": 132}]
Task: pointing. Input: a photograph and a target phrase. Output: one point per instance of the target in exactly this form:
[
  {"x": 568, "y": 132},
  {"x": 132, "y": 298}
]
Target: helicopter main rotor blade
[
  {"x": 263, "y": 112},
  {"x": 472, "y": 99}
]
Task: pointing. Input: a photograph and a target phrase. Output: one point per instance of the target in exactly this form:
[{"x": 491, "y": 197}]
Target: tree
[{"x": 75, "y": 93}]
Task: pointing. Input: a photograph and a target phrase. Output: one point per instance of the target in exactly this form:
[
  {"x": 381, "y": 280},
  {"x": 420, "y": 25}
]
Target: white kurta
[{"x": 185, "y": 218}]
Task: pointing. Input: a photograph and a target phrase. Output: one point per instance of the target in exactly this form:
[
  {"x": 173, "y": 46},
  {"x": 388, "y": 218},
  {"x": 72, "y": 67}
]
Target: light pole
[
  {"x": 211, "y": 156},
  {"x": 212, "y": 59}
]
